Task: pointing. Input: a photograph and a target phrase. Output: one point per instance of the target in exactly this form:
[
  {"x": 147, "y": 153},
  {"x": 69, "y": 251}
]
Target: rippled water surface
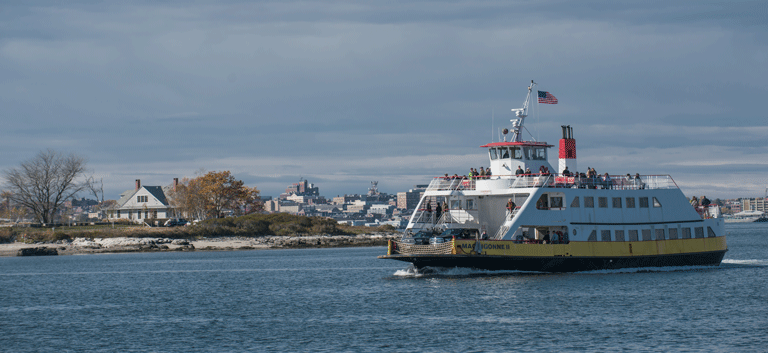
[{"x": 347, "y": 300}]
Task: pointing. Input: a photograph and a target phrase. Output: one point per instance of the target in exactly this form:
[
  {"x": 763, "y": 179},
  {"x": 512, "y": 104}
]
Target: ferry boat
[{"x": 555, "y": 222}]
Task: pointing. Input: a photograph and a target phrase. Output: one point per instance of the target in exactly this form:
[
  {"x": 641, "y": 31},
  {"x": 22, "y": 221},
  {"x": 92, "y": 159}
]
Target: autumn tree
[
  {"x": 187, "y": 199},
  {"x": 222, "y": 191},
  {"x": 209, "y": 195},
  {"x": 43, "y": 183}
]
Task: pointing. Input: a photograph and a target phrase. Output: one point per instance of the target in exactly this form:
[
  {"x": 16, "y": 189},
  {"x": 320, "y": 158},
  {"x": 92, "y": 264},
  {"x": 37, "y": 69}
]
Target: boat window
[
  {"x": 710, "y": 232},
  {"x": 575, "y": 202},
  {"x": 543, "y": 202},
  {"x": 686, "y": 233},
  {"x": 540, "y": 153},
  {"x": 470, "y": 204},
  {"x": 504, "y": 152},
  {"x": 592, "y": 236},
  {"x": 557, "y": 202},
  {"x": 672, "y": 233},
  {"x": 493, "y": 153},
  {"x": 589, "y": 202},
  {"x": 656, "y": 203},
  {"x": 660, "y": 234},
  {"x": 646, "y": 234},
  {"x": 699, "y": 232},
  {"x": 528, "y": 153},
  {"x": 619, "y": 235},
  {"x": 602, "y": 202},
  {"x": 643, "y": 202},
  {"x": 630, "y": 202},
  {"x": 633, "y": 235},
  {"x": 617, "y": 202},
  {"x": 605, "y": 235},
  {"x": 456, "y": 204},
  {"x": 517, "y": 153}
]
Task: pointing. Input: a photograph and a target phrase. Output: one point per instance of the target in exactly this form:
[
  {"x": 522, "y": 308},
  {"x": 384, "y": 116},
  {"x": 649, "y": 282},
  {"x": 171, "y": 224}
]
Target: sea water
[{"x": 337, "y": 300}]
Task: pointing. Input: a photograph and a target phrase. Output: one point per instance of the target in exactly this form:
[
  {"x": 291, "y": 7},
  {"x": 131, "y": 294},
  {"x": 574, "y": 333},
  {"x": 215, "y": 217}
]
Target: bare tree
[{"x": 44, "y": 182}]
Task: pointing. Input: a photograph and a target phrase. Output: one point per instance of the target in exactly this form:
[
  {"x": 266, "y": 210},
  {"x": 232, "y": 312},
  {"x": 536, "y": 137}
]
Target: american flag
[{"x": 547, "y": 98}]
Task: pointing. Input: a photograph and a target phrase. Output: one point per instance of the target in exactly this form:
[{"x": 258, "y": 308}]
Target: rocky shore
[{"x": 123, "y": 244}]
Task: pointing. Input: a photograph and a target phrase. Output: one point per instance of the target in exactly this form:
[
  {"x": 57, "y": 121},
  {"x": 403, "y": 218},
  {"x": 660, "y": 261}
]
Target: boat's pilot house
[{"x": 505, "y": 159}]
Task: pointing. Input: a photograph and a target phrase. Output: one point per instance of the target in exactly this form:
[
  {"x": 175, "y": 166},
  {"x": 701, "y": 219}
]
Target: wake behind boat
[{"x": 516, "y": 219}]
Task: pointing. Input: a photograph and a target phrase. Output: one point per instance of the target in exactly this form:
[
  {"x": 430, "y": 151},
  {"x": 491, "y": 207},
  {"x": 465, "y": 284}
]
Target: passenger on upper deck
[
  {"x": 482, "y": 172},
  {"x": 519, "y": 171},
  {"x": 528, "y": 171},
  {"x": 694, "y": 202},
  {"x": 607, "y": 183},
  {"x": 488, "y": 172},
  {"x": 639, "y": 182},
  {"x": 566, "y": 172},
  {"x": 543, "y": 170}
]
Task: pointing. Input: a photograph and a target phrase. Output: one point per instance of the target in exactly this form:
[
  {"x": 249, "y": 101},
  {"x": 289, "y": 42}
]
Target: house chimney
[
  {"x": 138, "y": 184},
  {"x": 175, "y": 183}
]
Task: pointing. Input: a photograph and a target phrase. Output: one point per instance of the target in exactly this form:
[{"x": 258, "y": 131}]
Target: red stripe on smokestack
[{"x": 567, "y": 149}]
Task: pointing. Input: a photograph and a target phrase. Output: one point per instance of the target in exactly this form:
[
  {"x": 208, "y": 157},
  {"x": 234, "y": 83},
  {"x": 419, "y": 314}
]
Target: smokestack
[
  {"x": 175, "y": 183},
  {"x": 138, "y": 184},
  {"x": 567, "y": 150}
]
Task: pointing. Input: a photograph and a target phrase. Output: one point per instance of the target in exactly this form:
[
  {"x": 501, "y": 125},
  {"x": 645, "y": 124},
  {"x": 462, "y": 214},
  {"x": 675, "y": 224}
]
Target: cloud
[{"x": 346, "y": 92}]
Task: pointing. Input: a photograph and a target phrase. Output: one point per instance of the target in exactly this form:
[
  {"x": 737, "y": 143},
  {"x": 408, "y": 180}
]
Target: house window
[
  {"x": 118, "y": 213},
  {"x": 146, "y": 214},
  {"x": 617, "y": 202},
  {"x": 589, "y": 201},
  {"x": 130, "y": 214},
  {"x": 575, "y": 202},
  {"x": 630, "y": 202},
  {"x": 154, "y": 214},
  {"x": 643, "y": 202},
  {"x": 603, "y": 202},
  {"x": 142, "y": 198},
  {"x": 138, "y": 214}
]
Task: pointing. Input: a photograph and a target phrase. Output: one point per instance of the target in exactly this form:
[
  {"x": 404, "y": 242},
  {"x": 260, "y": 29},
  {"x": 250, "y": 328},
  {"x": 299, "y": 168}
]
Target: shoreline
[{"x": 83, "y": 246}]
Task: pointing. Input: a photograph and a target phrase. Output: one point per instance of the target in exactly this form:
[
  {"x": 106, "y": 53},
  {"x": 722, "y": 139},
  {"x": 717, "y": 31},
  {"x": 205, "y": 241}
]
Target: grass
[{"x": 277, "y": 224}]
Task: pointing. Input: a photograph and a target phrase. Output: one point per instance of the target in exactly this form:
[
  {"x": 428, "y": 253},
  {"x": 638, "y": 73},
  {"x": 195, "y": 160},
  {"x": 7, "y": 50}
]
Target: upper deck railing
[{"x": 614, "y": 182}]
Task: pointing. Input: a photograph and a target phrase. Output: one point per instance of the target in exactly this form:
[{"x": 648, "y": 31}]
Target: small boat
[
  {"x": 747, "y": 217},
  {"x": 555, "y": 222}
]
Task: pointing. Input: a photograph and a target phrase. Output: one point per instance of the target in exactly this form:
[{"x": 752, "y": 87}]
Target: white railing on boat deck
[
  {"x": 450, "y": 216},
  {"x": 614, "y": 182}
]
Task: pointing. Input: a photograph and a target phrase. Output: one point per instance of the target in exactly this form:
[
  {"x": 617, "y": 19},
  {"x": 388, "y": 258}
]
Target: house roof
[{"x": 157, "y": 191}]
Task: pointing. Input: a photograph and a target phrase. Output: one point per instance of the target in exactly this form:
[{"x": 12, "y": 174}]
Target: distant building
[
  {"x": 302, "y": 188},
  {"x": 143, "y": 204},
  {"x": 756, "y": 204},
  {"x": 409, "y": 199}
]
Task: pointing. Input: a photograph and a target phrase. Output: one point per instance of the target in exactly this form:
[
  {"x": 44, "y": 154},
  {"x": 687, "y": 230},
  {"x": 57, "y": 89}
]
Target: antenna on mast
[{"x": 521, "y": 113}]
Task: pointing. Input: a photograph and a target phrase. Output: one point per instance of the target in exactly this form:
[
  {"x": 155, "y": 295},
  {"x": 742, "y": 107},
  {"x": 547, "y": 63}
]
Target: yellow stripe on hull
[{"x": 593, "y": 249}]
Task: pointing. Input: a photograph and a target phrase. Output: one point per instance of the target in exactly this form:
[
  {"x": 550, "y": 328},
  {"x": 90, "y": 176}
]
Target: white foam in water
[
  {"x": 451, "y": 272},
  {"x": 747, "y": 262}
]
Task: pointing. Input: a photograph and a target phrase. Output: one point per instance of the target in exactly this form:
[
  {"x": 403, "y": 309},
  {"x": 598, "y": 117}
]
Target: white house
[{"x": 143, "y": 204}]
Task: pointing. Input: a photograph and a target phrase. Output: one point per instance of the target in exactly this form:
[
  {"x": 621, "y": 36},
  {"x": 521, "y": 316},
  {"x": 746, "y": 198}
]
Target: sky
[{"x": 342, "y": 93}]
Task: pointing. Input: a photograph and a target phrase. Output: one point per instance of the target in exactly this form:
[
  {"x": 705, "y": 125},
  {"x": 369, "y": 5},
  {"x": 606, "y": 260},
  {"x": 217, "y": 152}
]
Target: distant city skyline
[{"x": 343, "y": 93}]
